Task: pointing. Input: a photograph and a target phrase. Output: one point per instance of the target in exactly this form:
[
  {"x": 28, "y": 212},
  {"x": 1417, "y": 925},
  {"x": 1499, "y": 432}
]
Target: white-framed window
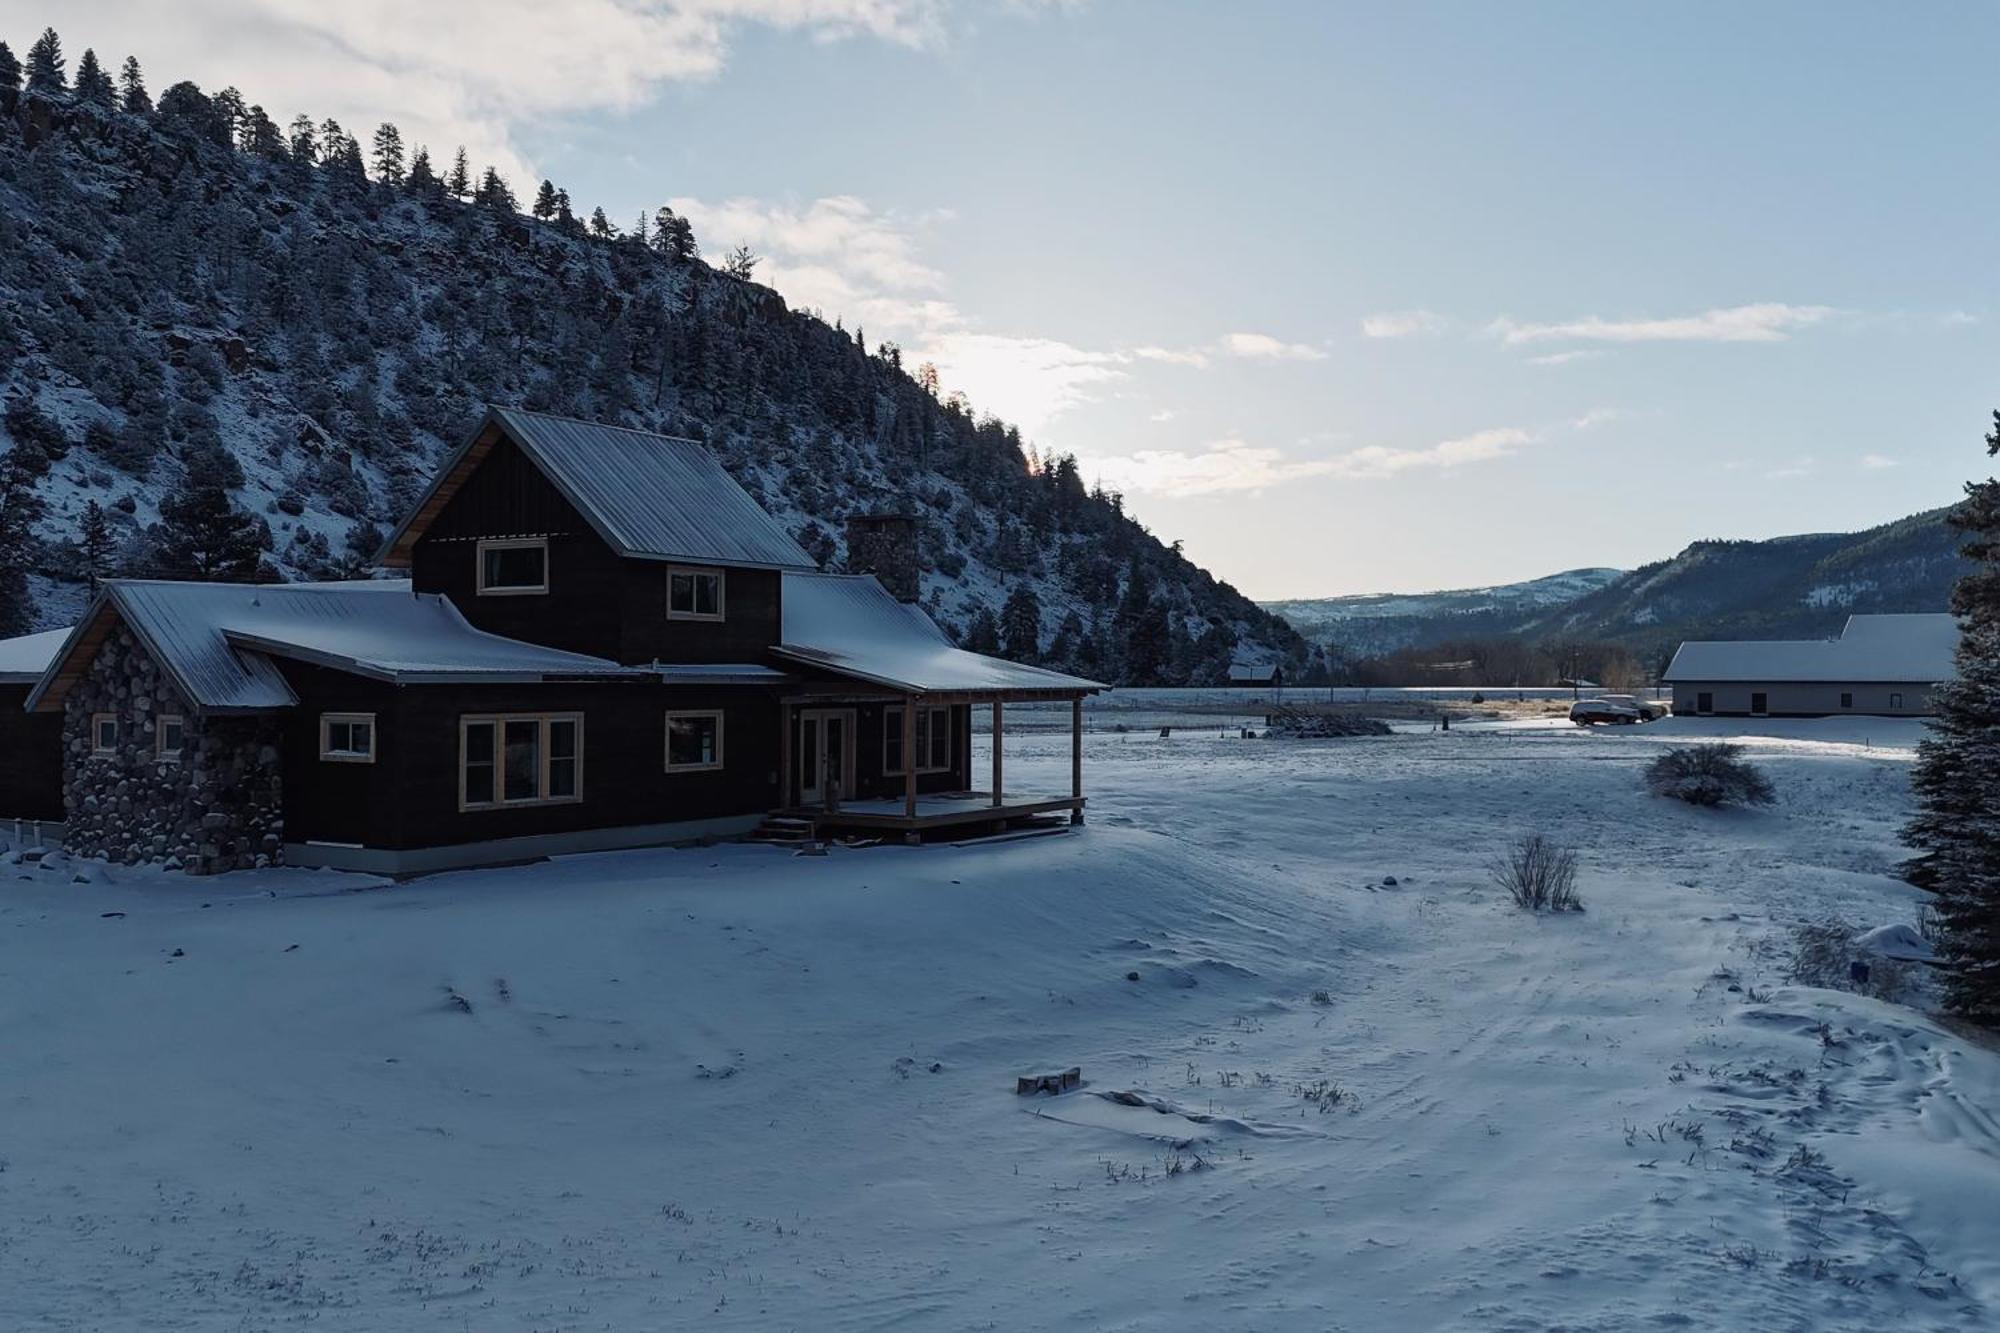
[
  {"x": 1895, "y": 701},
  {"x": 519, "y": 759},
  {"x": 169, "y": 737},
  {"x": 694, "y": 741},
  {"x": 347, "y": 738},
  {"x": 693, "y": 593},
  {"x": 104, "y": 733},
  {"x": 933, "y": 739},
  {"x": 513, "y": 566}
]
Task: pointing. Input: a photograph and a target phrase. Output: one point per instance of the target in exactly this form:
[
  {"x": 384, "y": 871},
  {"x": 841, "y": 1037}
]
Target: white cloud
[
  {"x": 456, "y": 71},
  {"x": 1264, "y": 346},
  {"x": 1173, "y": 356},
  {"x": 1596, "y": 416},
  {"x": 1763, "y": 323},
  {"x": 1163, "y": 416},
  {"x": 1029, "y": 381},
  {"x": 1403, "y": 324},
  {"x": 1877, "y": 462},
  {"x": 1235, "y": 465},
  {"x": 1564, "y": 358}
]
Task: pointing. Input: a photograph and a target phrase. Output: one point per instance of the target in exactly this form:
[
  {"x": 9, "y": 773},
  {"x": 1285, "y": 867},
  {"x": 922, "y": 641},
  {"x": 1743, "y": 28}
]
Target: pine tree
[
  {"x": 564, "y": 218},
  {"x": 260, "y": 136},
  {"x": 458, "y": 184},
  {"x": 19, "y": 508},
  {"x": 1956, "y": 779},
  {"x": 1021, "y": 625},
  {"x": 494, "y": 193},
  {"x": 93, "y": 545},
  {"x": 92, "y": 83},
  {"x": 45, "y": 64},
  {"x": 673, "y": 236},
  {"x": 387, "y": 158},
  {"x": 304, "y": 141},
  {"x": 203, "y": 536},
  {"x": 740, "y": 264},
  {"x": 422, "y": 179},
  {"x": 231, "y": 110},
  {"x": 545, "y": 201},
  {"x": 10, "y": 69},
  {"x": 600, "y": 226},
  {"x": 132, "y": 94}
]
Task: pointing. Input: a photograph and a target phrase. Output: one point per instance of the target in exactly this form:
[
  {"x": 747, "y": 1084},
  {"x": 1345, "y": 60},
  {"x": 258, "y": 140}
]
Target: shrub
[
  {"x": 1824, "y": 954},
  {"x": 1707, "y": 775},
  {"x": 1539, "y": 873}
]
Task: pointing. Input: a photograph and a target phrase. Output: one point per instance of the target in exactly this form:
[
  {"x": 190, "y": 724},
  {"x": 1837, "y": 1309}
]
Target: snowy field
[{"x": 736, "y": 1089}]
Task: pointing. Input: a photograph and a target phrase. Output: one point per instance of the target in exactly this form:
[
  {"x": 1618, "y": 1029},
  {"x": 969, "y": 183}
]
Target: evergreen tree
[
  {"x": 203, "y": 536},
  {"x": 458, "y": 184},
  {"x": 260, "y": 136},
  {"x": 673, "y": 236},
  {"x": 422, "y": 179},
  {"x": 387, "y": 157},
  {"x": 10, "y": 69},
  {"x": 19, "y": 508},
  {"x": 494, "y": 192},
  {"x": 740, "y": 264},
  {"x": 545, "y": 201},
  {"x": 1021, "y": 625},
  {"x": 982, "y": 632},
  {"x": 93, "y": 545},
  {"x": 92, "y": 83},
  {"x": 45, "y": 64},
  {"x": 132, "y": 88},
  {"x": 232, "y": 111},
  {"x": 1956, "y": 778},
  {"x": 305, "y": 141},
  {"x": 564, "y": 218},
  {"x": 600, "y": 226}
]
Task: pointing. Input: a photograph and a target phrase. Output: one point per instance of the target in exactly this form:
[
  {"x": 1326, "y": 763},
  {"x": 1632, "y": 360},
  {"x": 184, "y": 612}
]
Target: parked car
[
  {"x": 1649, "y": 709},
  {"x": 1591, "y": 712}
]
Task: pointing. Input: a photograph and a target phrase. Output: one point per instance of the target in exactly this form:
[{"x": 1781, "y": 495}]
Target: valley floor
[{"x": 737, "y": 1089}]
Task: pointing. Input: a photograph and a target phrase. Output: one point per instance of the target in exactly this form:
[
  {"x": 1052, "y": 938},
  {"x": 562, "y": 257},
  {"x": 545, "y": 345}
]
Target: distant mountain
[
  {"x": 1368, "y": 624},
  {"x": 1785, "y": 587}
]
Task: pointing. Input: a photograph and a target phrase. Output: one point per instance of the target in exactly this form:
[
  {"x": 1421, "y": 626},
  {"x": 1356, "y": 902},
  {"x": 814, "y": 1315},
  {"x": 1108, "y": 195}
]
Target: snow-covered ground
[{"x": 734, "y": 1088}]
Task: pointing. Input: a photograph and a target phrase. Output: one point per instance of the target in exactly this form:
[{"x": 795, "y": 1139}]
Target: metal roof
[
  {"x": 852, "y": 625},
  {"x": 1909, "y": 649},
  {"x": 24, "y": 659},
  {"x": 650, "y": 497},
  {"x": 216, "y": 639}
]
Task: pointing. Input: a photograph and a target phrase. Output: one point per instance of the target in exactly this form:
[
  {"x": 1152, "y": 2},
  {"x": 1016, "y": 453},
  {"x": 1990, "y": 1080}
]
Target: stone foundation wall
[{"x": 218, "y": 807}]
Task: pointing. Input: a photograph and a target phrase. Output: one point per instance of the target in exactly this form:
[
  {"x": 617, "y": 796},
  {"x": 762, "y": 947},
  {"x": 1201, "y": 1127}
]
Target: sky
[{"x": 1345, "y": 297}]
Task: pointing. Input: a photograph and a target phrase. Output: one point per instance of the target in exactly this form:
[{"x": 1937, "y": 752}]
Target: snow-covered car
[
  {"x": 1649, "y": 709},
  {"x": 1591, "y": 712}
]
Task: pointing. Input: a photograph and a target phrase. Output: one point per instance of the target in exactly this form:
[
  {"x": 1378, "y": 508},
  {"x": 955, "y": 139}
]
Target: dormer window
[
  {"x": 513, "y": 566},
  {"x": 693, "y": 593}
]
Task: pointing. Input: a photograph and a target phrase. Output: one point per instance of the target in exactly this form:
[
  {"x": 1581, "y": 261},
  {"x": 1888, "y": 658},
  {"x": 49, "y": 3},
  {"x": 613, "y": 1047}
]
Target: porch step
[{"x": 783, "y": 830}]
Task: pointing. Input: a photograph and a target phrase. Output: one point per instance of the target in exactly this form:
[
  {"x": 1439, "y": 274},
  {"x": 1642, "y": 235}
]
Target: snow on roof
[
  {"x": 718, "y": 673},
  {"x": 216, "y": 639},
  {"x": 1253, "y": 671},
  {"x": 24, "y": 659},
  {"x": 1886, "y": 648},
  {"x": 652, "y": 497},
  {"x": 850, "y": 624}
]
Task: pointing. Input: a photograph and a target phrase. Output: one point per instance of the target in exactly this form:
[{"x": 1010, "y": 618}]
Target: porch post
[
  {"x": 1076, "y": 757},
  {"x": 910, "y": 756},
  {"x": 999, "y": 711},
  {"x": 784, "y": 755}
]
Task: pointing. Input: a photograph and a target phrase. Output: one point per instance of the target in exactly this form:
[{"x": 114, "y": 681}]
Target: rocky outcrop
[{"x": 215, "y": 806}]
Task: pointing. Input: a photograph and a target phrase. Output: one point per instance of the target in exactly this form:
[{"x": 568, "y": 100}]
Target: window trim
[
  {"x": 97, "y": 721},
  {"x": 667, "y": 741},
  {"x": 1896, "y": 699},
  {"x": 486, "y": 544},
  {"x": 498, "y": 721},
  {"x": 892, "y": 754},
  {"x": 721, "y": 593},
  {"x": 329, "y": 755},
  {"x": 161, "y": 753}
]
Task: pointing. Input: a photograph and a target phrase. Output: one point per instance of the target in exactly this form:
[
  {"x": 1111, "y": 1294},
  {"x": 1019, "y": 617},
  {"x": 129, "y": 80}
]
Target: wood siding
[
  {"x": 30, "y": 758},
  {"x": 598, "y": 602}
]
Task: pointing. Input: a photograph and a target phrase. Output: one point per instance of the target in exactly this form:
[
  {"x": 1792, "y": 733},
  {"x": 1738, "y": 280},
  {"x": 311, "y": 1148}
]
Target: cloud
[
  {"x": 455, "y": 71},
  {"x": 1173, "y": 356},
  {"x": 1232, "y": 464},
  {"x": 1403, "y": 324},
  {"x": 1163, "y": 416},
  {"x": 1564, "y": 358},
  {"x": 1262, "y": 346},
  {"x": 1877, "y": 462},
  {"x": 1596, "y": 416},
  {"x": 1763, "y": 323}
]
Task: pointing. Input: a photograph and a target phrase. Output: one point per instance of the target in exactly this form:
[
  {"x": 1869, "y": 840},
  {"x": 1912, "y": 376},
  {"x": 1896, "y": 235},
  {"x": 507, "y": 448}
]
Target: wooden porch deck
[{"x": 942, "y": 810}]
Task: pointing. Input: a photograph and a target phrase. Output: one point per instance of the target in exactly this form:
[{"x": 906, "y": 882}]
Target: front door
[{"x": 826, "y": 755}]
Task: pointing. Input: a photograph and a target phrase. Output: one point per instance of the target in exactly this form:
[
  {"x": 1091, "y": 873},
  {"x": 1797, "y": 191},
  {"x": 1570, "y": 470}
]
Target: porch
[{"x": 944, "y": 810}]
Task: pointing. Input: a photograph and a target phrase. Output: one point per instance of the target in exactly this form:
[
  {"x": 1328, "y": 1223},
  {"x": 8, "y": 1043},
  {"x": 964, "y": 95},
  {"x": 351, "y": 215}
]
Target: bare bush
[
  {"x": 1708, "y": 775},
  {"x": 1539, "y": 874}
]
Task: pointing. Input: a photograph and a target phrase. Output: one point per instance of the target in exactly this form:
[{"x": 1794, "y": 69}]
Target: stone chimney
[{"x": 885, "y": 545}]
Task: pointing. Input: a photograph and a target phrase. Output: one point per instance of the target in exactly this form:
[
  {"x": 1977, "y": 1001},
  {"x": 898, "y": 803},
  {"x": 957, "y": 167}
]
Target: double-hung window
[
  {"x": 104, "y": 733},
  {"x": 169, "y": 736},
  {"x": 520, "y": 759},
  {"x": 347, "y": 738},
  {"x": 933, "y": 739},
  {"x": 513, "y": 566},
  {"x": 694, "y": 741},
  {"x": 693, "y": 593}
]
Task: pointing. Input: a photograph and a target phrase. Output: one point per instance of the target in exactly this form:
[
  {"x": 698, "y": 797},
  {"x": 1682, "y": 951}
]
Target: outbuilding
[{"x": 1881, "y": 665}]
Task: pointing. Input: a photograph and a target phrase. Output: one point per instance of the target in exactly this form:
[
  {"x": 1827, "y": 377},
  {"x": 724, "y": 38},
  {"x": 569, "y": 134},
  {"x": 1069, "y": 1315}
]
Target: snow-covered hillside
[
  {"x": 1331, "y": 1079},
  {"x": 186, "y": 300},
  {"x": 1412, "y": 617}
]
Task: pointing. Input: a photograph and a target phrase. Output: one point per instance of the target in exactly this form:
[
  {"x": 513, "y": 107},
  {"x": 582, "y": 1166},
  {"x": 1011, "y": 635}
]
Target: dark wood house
[{"x": 603, "y": 642}]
